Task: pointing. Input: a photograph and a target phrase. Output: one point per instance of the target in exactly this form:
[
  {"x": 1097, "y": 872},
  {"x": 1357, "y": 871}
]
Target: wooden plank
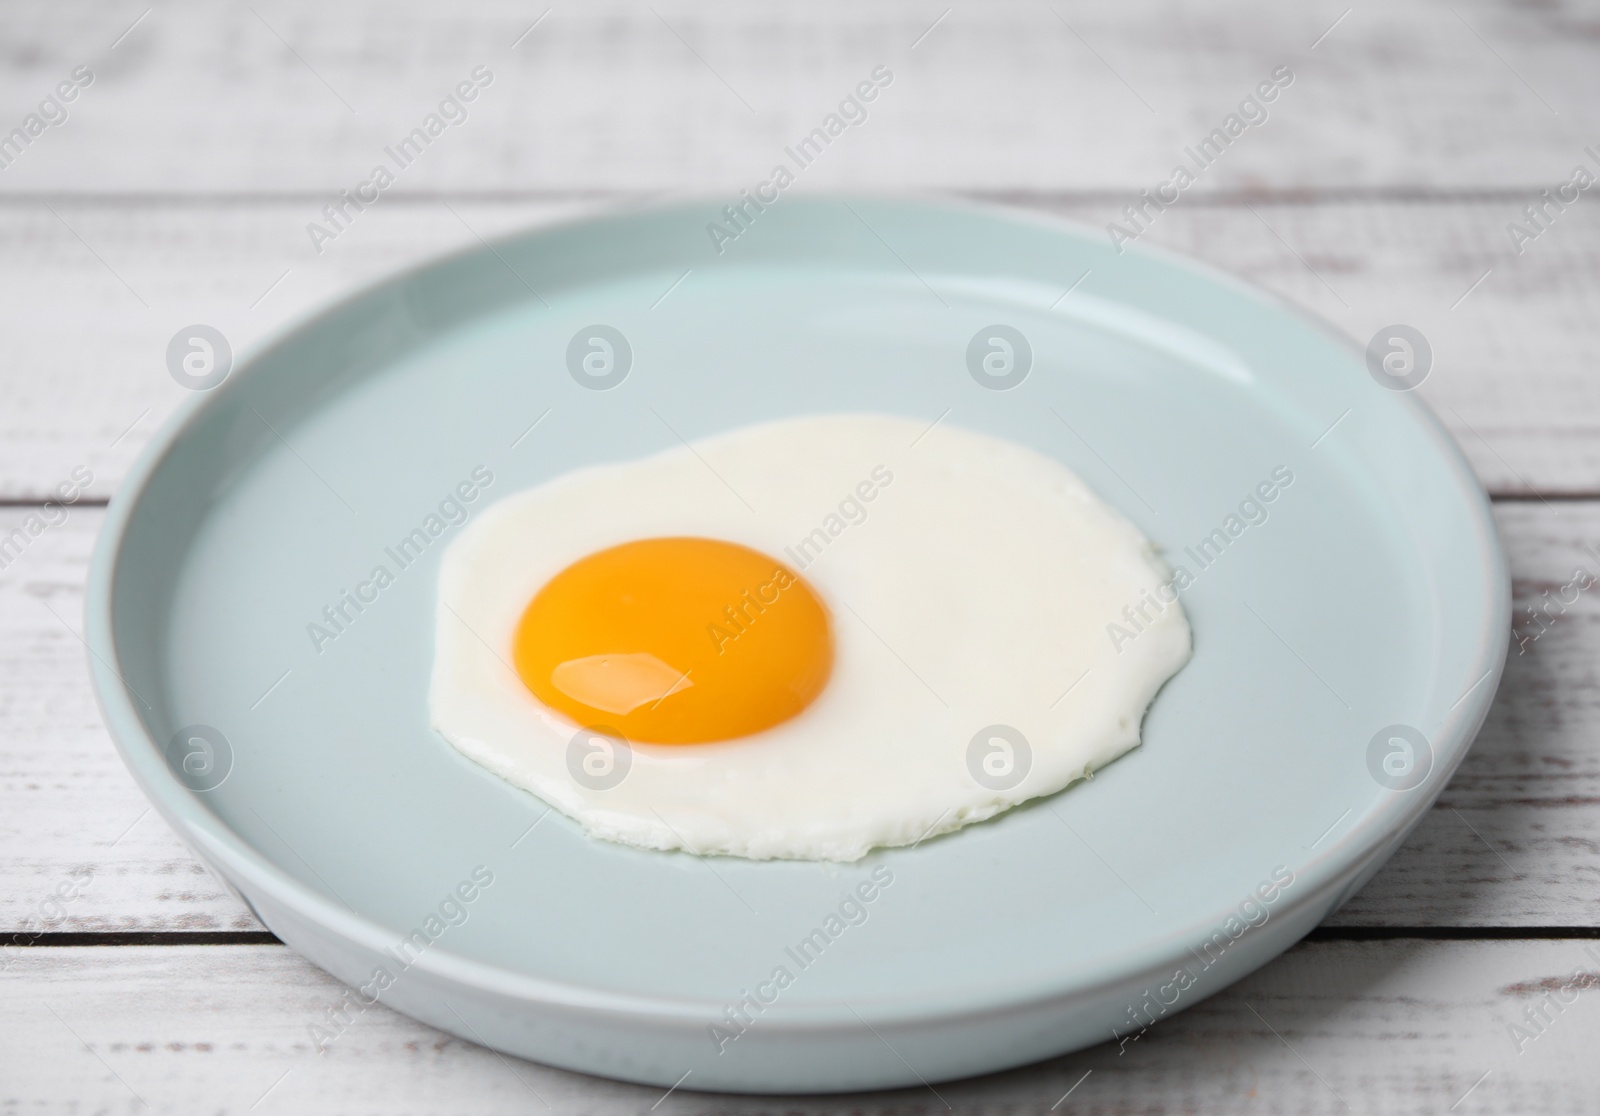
[
  {"x": 84, "y": 373},
  {"x": 85, "y": 380},
  {"x": 82, "y": 849},
  {"x": 1512, "y": 842},
  {"x": 1527, "y": 797},
  {"x": 1399, "y": 1026},
  {"x": 296, "y": 95}
]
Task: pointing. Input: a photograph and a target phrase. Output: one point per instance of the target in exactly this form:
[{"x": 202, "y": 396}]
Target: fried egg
[{"x": 803, "y": 639}]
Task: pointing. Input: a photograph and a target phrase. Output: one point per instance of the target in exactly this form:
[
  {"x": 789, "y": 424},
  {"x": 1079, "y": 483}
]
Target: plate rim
[{"x": 217, "y": 843}]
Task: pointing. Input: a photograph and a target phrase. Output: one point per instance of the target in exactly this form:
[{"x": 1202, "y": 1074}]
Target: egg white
[{"x": 976, "y": 587}]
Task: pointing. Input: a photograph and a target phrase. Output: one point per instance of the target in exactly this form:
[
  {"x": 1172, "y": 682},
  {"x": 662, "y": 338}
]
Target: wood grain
[
  {"x": 1513, "y": 840},
  {"x": 1379, "y": 191},
  {"x": 86, "y": 383},
  {"x": 295, "y": 95},
  {"x": 1400, "y": 1026},
  {"x": 1527, "y": 797}
]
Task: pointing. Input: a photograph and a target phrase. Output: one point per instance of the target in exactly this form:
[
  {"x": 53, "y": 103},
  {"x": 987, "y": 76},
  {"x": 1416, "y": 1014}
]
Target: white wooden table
[{"x": 178, "y": 188}]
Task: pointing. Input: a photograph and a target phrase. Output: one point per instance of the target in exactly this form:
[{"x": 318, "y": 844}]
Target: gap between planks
[
  {"x": 1523, "y": 497},
  {"x": 1222, "y": 198},
  {"x": 1320, "y": 934}
]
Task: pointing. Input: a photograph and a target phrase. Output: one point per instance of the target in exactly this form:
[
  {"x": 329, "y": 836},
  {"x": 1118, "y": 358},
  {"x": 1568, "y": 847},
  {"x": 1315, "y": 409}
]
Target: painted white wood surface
[
  {"x": 1512, "y": 841},
  {"x": 1514, "y": 377},
  {"x": 1331, "y": 1027},
  {"x": 1378, "y": 192},
  {"x": 297, "y": 95}
]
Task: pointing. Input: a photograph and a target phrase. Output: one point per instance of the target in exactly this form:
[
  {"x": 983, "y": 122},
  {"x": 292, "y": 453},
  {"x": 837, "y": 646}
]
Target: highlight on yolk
[{"x": 676, "y": 641}]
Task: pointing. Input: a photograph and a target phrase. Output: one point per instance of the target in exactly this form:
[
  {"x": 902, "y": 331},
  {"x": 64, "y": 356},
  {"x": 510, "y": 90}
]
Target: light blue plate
[{"x": 1346, "y": 647}]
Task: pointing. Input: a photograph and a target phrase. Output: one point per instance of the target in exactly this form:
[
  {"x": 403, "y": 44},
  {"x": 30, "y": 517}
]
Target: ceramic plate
[{"x": 1348, "y": 638}]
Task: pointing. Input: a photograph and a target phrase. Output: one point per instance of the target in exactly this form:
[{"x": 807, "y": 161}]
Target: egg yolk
[{"x": 676, "y": 641}]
